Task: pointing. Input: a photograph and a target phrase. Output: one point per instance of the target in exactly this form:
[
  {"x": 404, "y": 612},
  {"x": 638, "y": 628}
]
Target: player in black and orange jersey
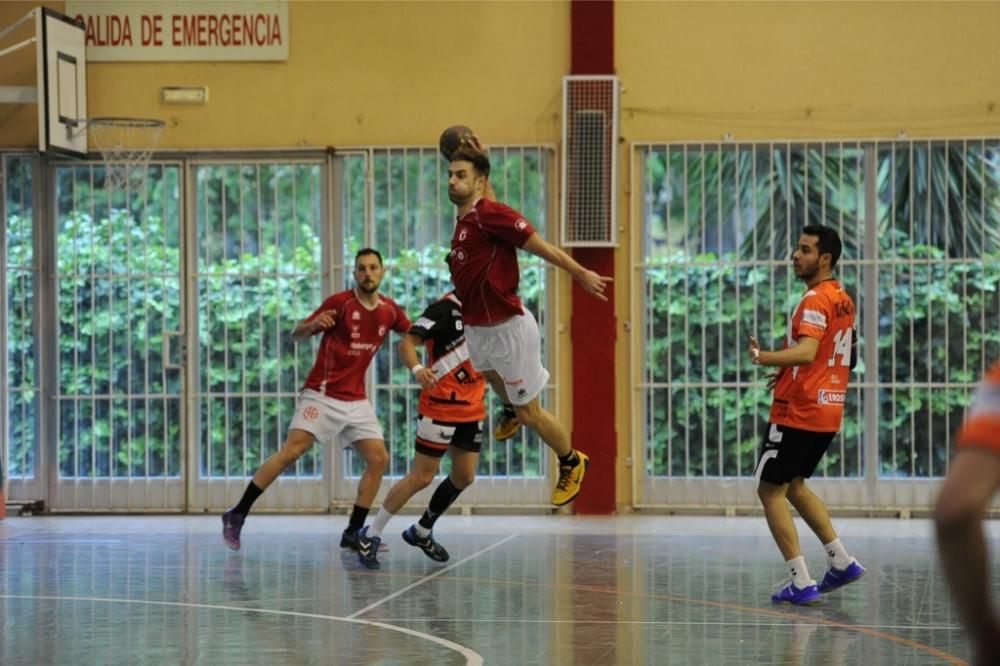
[
  {"x": 973, "y": 478},
  {"x": 451, "y": 417},
  {"x": 808, "y": 407}
]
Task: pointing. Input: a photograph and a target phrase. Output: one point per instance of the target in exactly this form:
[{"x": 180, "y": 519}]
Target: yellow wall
[
  {"x": 699, "y": 70},
  {"x": 358, "y": 73}
]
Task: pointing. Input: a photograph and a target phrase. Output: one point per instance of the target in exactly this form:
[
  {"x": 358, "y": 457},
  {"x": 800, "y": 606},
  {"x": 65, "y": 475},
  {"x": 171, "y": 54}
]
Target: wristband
[{"x": 415, "y": 369}]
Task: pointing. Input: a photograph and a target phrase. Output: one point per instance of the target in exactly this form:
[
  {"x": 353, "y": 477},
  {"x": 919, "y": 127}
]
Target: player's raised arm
[
  {"x": 307, "y": 327},
  {"x": 591, "y": 282}
]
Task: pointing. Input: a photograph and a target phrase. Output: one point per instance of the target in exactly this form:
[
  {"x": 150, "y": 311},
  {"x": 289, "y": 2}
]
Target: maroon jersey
[
  {"x": 484, "y": 262},
  {"x": 346, "y": 349}
]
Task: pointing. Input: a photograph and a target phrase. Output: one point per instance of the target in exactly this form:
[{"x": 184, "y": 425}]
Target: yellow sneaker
[
  {"x": 570, "y": 479},
  {"x": 507, "y": 424}
]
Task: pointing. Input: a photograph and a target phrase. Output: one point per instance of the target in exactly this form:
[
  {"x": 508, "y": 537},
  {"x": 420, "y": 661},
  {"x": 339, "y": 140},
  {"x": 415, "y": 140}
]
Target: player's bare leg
[
  {"x": 972, "y": 480},
  {"x": 297, "y": 442},
  {"x": 842, "y": 568}
]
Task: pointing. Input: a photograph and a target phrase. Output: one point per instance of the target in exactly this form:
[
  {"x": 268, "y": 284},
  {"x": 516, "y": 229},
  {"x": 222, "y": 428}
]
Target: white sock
[
  {"x": 837, "y": 555},
  {"x": 421, "y": 530},
  {"x": 800, "y": 573},
  {"x": 379, "y": 523}
]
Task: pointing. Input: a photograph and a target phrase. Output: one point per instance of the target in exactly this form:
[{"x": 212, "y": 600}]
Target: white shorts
[
  {"x": 514, "y": 350},
  {"x": 329, "y": 419}
]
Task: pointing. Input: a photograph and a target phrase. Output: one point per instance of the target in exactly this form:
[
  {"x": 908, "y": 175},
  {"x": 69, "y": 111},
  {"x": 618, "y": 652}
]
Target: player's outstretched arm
[
  {"x": 591, "y": 282},
  {"x": 323, "y": 321}
]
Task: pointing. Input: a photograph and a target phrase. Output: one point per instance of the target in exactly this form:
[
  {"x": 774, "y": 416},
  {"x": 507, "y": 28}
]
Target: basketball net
[{"x": 125, "y": 144}]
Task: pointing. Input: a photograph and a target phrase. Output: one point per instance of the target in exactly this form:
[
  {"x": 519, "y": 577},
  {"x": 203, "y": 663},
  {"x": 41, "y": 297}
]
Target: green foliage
[{"x": 718, "y": 222}]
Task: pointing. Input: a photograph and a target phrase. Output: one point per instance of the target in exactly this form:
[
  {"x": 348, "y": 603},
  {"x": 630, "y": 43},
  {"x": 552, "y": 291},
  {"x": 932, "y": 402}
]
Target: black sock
[
  {"x": 443, "y": 497},
  {"x": 357, "y": 520},
  {"x": 570, "y": 459},
  {"x": 249, "y": 497}
]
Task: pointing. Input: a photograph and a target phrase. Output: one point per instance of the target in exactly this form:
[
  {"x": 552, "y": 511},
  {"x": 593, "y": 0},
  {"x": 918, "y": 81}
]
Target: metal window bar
[{"x": 826, "y": 182}]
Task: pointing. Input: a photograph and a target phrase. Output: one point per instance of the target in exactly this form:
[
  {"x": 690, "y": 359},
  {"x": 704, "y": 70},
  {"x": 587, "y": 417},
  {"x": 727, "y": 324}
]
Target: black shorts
[
  {"x": 789, "y": 452},
  {"x": 434, "y": 436}
]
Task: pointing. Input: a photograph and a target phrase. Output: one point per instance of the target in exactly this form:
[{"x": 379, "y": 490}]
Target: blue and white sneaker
[
  {"x": 805, "y": 596},
  {"x": 836, "y": 578},
  {"x": 368, "y": 549}
]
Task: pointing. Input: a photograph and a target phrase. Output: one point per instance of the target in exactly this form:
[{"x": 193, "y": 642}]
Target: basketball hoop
[{"x": 125, "y": 144}]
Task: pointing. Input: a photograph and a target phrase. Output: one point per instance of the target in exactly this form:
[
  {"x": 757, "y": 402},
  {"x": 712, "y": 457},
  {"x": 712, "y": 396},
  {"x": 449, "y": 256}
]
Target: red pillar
[{"x": 593, "y": 328}]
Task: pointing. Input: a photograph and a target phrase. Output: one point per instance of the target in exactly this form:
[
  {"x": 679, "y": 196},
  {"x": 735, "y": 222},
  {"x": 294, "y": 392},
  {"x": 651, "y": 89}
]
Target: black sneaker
[
  {"x": 368, "y": 548},
  {"x": 349, "y": 539},
  {"x": 431, "y": 548},
  {"x": 232, "y": 525}
]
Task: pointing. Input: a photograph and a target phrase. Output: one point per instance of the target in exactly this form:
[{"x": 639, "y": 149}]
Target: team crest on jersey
[
  {"x": 461, "y": 235},
  {"x": 459, "y": 255},
  {"x": 381, "y": 331},
  {"x": 521, "y": 224},
  {"x": 356, "y": 315}
]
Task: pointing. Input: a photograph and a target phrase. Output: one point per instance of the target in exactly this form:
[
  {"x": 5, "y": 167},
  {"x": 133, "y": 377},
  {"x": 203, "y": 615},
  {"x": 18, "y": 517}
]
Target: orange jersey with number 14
[{"x": 811, "y": 397}]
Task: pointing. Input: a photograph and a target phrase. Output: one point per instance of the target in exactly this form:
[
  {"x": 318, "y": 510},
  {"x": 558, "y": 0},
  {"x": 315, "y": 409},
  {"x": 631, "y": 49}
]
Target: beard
[
  {"x": 368, "y": 286},
  {"x": 456, "y": 198},
  {"x": 806, "y": 274}
]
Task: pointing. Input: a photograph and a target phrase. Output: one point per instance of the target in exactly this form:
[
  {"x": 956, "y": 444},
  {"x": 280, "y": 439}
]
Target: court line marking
[
  {"x": 439, "y": 572},
  {"x": 472, "y": 658},
  {"x": 803, "y": 620},
  {"x": 906, "y": 642}
]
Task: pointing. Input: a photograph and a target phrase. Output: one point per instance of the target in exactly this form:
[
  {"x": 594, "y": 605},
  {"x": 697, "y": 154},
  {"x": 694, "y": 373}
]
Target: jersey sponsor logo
[
  {"x": 310, "y": 413},
  {"x": 363, "y": 346},
  {"x": 424, "y": 322},
  {"x": 461, "y": 235},
  {"x": 831, "y": 397},
  {"x": 814, "y": 317}
]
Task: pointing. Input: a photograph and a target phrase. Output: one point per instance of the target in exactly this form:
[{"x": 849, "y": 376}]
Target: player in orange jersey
[
  {"x": 451, "y": 417},
  {"x": 972, "y": 480},
  {"x": 809, "y": 393}
]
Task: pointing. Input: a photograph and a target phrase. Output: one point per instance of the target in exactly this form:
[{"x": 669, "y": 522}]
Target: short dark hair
[
  {"x": 829, "y": 241},
  {"x": 367, "y": 250},
  {"x": 478, "y": 158}
]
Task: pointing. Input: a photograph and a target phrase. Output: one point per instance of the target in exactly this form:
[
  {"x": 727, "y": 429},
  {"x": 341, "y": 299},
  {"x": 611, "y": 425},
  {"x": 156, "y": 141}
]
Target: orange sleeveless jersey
[
  {"x": 982, "y": 426},
  {"x": 811, "y": 397}
]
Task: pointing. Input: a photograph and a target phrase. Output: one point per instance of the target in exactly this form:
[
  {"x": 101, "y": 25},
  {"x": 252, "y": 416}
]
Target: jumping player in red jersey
[
  {"x": 333, "y": 405},
  {"x": 806, "y": 413},
  {"x": 973, "y": 478},
  {"x": 450, "y": 419},
  {"x": 503, "y": 337}
]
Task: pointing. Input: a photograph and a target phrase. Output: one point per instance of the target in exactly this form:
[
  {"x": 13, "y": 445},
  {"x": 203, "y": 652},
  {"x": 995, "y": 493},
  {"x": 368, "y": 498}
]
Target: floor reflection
[{"x": 550, "y": 590}]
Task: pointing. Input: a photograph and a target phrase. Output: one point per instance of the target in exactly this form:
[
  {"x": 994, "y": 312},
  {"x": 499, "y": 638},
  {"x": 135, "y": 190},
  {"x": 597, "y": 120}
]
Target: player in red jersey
[
  {"x": 503, "y": 337},
  {"x": 333, "y": 405},
  {"x": 973, "y": 478},
  {"x": 451, "y": 417},
  {"x": 809, "y": 393}
]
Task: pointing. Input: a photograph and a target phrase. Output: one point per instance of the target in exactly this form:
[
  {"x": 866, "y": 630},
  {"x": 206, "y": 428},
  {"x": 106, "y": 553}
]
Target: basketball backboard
[{"x": 60, "y": 90}]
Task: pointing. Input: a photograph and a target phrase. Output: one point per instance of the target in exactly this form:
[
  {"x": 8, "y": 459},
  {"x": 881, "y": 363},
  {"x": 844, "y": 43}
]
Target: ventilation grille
[{"x": 590, "y": 161}]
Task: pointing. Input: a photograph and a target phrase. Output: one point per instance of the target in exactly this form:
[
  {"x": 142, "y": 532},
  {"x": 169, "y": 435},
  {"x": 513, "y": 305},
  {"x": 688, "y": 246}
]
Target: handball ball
[{"x": 453, "y": 138}]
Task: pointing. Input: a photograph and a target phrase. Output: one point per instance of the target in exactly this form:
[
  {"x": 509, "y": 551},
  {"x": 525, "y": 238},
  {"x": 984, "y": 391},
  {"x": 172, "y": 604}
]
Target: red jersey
[
  {"x": 811, "y": 397},
  {"x": 484, "y": 262},
  {"x": 346, "y": 349},
  {"x": 458, "y": 395},
  {"x": 982, "y": 426}
]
